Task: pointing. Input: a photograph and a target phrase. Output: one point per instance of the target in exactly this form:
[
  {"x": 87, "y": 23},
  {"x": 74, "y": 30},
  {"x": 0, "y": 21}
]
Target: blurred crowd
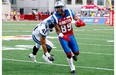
[
  {"x": 99, "y": 13},
  {"x": 16, "y": 15}
]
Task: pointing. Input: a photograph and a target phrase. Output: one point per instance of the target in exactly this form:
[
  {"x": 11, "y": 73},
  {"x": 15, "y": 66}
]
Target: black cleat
[
  {"x": 75, "y": 58},
  {"x": 73, "y": 72},
  {"x": 51, "y": 58}
]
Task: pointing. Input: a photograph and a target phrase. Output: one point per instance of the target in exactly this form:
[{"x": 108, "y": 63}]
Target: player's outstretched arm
[
  {"x": 76, "y": 18},
  {"x": 78, "y": 22}
]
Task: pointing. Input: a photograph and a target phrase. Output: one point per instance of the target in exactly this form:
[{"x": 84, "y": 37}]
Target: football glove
[
  {"x": 79, "y": 23},
  {"x": 49, "y": 56},
  {"x": 65, "y": 37}
]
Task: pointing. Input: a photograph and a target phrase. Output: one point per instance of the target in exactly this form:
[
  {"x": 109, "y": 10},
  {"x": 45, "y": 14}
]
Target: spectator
[
  {"x": 14, "y": 14},
  {"x": 18, "y": 16},
  {"x": 11, "y": 16},
  {"x": 39, "y": 15},
  {"x": 6, "y": 16},
  {"x": 92, "y": 14}
]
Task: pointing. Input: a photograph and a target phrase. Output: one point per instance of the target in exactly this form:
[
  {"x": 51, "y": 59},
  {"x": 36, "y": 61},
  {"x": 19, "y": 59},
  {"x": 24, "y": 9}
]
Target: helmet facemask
[
  {"x": 59, "y": 7},
  {"x": 50, "y": 25}
]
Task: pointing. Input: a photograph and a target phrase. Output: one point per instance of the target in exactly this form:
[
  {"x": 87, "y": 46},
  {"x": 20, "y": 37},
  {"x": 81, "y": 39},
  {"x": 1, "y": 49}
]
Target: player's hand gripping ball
[{"x": 79, "y": 23}]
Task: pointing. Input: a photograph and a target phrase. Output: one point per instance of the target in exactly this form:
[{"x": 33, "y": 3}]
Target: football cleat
[
  {"x": 74, "y": 58},
  {"x": 73, "y": 72},
  {"x": 33, "y": 57},
  {"x": 47, "y": 59},
  {"x": 72, "y": 68}
]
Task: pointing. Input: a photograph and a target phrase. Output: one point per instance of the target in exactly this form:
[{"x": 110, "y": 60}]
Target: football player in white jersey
[{"x": 39, "y": 37}]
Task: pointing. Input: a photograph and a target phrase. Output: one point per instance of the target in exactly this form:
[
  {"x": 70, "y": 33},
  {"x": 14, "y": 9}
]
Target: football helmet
[
  {"x": 59, "y": 4},
  {"x": 50, "y": 24}
]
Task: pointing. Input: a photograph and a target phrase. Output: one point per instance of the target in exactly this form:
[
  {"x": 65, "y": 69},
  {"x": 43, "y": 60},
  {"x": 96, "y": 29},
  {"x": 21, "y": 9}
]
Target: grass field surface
[{"x": 96, "y": 43}]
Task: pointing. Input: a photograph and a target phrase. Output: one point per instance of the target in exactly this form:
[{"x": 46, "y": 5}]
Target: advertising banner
[
  {"x": 111, "y": 17},
  {"x": 96, "y": 20}
]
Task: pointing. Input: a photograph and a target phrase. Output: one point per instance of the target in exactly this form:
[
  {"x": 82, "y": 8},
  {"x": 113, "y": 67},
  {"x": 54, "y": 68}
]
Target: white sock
[{"x": 70, "y": 61}]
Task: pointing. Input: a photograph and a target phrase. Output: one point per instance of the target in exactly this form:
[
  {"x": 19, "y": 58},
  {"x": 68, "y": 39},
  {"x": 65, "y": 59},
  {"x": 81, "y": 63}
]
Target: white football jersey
[{"x": 42, "y": 28}]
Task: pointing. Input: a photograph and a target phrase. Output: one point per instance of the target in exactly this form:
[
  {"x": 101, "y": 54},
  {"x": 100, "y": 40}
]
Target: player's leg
[
  {"x": 74, "y": 47},
  {"x": 74, "y": 56},
  {"x": 35, "y": 48},
  {"x": 67, "y": 50},
  {"x": 72, "y": 66},
  {"x": 49, "y": 46},
  {"x": 65, "y": 47},
  {"x": 34, "y": 52}
]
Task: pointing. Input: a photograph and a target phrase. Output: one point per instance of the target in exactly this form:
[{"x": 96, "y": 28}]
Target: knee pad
[
  {"x": 76, "y": 53},
  {"x": 69, "y": 55},
  {"x": 48, "y": 47},
  {"x": 37, "y": 45}
]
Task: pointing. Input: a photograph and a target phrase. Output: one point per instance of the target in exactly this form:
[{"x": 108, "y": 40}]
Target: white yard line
[
  {"x": 95, "y": 53},
  {"x": 31, "y": 46},
  {"x": 107, "y": 29},
  {"x": 92, "y": 44},
  {"x": 110, "y": 35},
  {"x": 15, "y": 31},
  {"x": 20, "y": 24},
  {"x": 110, "y": 40},
  {"x": 51, "y": 37},
  {"x": 84, "y": 67},
  {"x": 94, "y": 39},
  {"x": 95, "y": 44},
  {"x": 75, "y": 30}
]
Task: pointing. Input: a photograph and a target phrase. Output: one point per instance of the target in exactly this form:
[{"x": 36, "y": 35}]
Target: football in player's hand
[{"x": 79, "y": 23}]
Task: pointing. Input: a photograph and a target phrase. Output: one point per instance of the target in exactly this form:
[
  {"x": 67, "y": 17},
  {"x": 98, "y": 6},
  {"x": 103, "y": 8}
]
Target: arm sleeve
[
  {"x": 72, "y": 13},
  {"x": 43, "y": 31},
  {"x": 54, "y": 19},
  {"x": 43, "y": 35}
]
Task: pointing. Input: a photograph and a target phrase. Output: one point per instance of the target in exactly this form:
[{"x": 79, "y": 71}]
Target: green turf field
[{"x": 96, "y": 43}]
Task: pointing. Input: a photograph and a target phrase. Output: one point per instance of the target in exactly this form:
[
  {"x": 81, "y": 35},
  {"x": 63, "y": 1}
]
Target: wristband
[
  {"x": 47, "y": 54},
  {"x": 60, "y": 35}
]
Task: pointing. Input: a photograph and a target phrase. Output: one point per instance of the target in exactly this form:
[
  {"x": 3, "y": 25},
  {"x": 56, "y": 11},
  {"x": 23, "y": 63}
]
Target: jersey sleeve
[
  {"x": 54, "y": 19},
  {"x": 72, "y": 13},
  {"x": 43, "y": 31}
]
